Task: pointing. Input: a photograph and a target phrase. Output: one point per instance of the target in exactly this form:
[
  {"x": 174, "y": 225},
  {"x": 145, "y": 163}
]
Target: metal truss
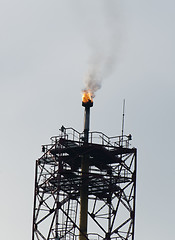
[{"x": 111, "y": 184}]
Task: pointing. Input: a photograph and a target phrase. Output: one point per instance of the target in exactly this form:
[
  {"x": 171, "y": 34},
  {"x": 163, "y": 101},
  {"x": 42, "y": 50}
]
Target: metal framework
[{"x": 111, "y": 182}]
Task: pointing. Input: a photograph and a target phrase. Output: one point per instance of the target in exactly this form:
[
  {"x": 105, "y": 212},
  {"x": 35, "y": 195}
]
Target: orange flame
[{"x": 87, "y": 96}]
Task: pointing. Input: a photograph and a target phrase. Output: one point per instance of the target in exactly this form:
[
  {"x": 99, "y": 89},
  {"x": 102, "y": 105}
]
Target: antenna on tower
[{"x": 123, "y": 121}]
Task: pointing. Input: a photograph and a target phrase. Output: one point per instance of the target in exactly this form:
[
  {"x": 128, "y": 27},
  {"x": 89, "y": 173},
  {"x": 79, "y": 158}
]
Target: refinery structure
[{"x": 85, "y": 186}]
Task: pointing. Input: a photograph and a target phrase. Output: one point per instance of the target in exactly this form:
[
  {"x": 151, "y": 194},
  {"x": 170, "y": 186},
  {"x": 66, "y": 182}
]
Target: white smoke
[
  {"x": 93, "y": 77},
  {"x": 104, "y": 40}
]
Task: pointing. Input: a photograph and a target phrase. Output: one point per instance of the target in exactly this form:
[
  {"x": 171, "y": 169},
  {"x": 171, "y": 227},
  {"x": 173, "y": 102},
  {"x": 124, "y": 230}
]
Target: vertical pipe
[
  {"x": 134, "y": 204},
  {"x": 34, "y": 207},
  {"x": 59, "y": 168},
  {"x": 84, "y": 198},
  {"x": 84, "y": 172},
  {"x": 109, "y": 201},
  {"x": 86, "y": 124}
]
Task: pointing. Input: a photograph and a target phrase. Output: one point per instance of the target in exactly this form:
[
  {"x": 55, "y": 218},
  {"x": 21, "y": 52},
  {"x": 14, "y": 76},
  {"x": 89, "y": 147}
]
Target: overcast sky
[{"x": 46, "y": 50}]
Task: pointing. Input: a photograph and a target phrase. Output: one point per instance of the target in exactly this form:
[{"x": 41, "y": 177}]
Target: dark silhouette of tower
[{"x": 85, "y": 186}]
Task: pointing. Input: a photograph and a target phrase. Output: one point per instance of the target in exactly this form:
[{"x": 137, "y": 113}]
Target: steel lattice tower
[
  {"x": 111, "y": 184},
  {"x": 85, "y": 186}
]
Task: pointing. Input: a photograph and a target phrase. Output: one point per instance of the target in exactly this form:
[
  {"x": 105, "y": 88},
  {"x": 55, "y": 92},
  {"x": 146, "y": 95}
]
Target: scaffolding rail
[{"x": 95, "y": 137}]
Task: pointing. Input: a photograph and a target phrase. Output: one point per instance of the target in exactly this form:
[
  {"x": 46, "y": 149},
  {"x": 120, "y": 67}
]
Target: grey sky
[{"x": 45, "y": 49}]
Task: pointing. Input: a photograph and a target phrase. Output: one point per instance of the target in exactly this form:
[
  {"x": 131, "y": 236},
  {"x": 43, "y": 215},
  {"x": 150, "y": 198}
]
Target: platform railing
[
  {"x": 91, "y": 236},
  {"x": 95, "y": 137}
]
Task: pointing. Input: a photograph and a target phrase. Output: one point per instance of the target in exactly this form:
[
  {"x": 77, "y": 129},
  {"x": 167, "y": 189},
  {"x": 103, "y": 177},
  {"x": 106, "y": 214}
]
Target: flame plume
[{"x": 87, "y": 96}]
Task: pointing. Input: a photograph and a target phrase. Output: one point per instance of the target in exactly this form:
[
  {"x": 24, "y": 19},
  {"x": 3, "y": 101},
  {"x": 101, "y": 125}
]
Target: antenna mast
[{"x": 123, "y": 121}]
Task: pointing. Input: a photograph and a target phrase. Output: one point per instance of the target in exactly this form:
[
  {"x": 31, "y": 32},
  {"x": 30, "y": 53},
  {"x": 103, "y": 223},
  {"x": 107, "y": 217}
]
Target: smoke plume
[{"x": 103, "y": 33}]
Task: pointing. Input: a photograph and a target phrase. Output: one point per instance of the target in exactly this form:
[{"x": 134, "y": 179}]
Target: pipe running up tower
[{"x": 87, "y": 103}]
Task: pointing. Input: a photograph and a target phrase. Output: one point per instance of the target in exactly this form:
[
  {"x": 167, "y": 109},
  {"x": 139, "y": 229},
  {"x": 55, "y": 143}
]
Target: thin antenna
[{"x": 123, "y": 121}]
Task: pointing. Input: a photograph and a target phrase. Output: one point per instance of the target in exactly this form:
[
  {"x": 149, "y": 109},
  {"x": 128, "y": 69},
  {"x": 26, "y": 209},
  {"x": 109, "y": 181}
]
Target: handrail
[
  {"x": 95, "y": 137},
  {"x": 94, "y": 236}
]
